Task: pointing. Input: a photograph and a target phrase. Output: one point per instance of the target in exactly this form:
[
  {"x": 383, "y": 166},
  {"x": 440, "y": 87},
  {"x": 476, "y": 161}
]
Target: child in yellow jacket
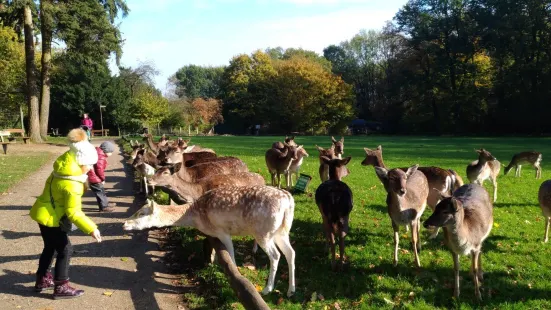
[{"x": 58, "y": 208}]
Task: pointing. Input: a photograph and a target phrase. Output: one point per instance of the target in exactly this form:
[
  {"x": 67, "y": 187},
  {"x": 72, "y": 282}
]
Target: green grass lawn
[
  {"x": 13, "y": 168},
  {"x": 515, "y": 260}
]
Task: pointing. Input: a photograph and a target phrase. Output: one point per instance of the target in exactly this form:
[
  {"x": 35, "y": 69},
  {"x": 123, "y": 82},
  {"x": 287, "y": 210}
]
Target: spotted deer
[
  {"x": 544, "y": 198},
  {"x": 296, "y": 164},
  {"x": 188, "y": 192},
  {"x": 467, "y": 219},
  {"x": 339, "y": 146},
  {"x": 324, "y": 168},
  {"x": 184, "y": 145},
  {"x": 485, "y": 168},
  {"x": 279, "y": 162},
  {"x": 532, "y": 158},
  {"x": 439, "y": 180},
  {"x": 144, "y": 171},
  {"x": 264, "y": 212},
  {"x": 334, "y": 200},
  {"x": 406, "y": 201}
]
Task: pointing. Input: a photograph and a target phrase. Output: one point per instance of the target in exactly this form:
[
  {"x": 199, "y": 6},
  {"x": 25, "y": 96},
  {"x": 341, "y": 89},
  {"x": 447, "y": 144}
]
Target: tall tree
[
  {"x": 32, "y": 87},
  {"x": 46, "y": 29}
]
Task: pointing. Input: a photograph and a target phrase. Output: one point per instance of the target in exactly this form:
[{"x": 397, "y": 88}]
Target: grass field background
[
  {"x": 515, "y": 260},
  {"x": 15, "y": 167}
]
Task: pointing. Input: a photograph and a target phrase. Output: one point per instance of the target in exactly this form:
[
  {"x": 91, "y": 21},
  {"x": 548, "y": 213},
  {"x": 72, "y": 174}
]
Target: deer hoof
[
  {"x": 267, "y": 290},
  {"x": 456, "y": 293},
  {"x": 395, "y": 263},
  {"x": 291, "y": 292}
]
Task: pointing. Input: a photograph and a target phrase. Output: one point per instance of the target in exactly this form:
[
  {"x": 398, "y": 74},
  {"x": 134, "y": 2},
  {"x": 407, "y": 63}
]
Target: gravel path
[{"x": 125, "y": 271}]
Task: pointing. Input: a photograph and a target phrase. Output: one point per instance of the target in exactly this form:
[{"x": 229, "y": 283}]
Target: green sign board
[{"x": 302, "y": 183}]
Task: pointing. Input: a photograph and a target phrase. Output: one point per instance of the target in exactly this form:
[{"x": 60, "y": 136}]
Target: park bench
[
  {"x": 4, "y": 143},
  {"x": 20, "y": 132},
  {"x": 104, "y": 132}
]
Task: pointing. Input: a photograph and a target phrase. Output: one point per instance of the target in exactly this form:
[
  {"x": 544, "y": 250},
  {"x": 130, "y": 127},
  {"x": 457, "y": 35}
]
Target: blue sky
[{"x": 174, "y": 33}]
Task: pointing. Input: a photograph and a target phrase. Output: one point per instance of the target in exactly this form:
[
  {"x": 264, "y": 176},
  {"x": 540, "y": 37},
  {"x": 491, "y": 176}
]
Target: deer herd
[{"x": 221, "y": 198}]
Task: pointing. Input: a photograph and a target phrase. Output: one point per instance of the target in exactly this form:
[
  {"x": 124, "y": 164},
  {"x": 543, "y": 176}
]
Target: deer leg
[
  {"x": 414, "y": 239},
  {"x": 273, "y": 179},
  {"x": 226, "y": 240},
  {"x": 546, "y": 238},
  {"x": 418, "y": 238},
  {"x": 278, "y": 180},
  {"x": 407, "y": 228},
  {"x": 480, "y": 273},
  {"x": 519, "y": 170},
  {"x": 396, "y": 241},
  {"x": 494, "y": 183},
  {"x": 283, "y": 243},
  {"x": 341, "y": 248},
  {"x": 145, "y": 187},
  {"x": 270, "y": 248},
  {"x": 538, "y": 172},
  {"x": 475, "y": 256},
  {"x": 456, "y": 278},
  {"x": 333, "y": 254}
]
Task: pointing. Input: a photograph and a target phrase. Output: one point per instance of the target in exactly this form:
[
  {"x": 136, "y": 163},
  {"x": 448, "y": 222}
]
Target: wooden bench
[
  {"x": 103, "y": 133},
  {"x": 5, "y": 146},
  {"x": 21, "y": 133}
]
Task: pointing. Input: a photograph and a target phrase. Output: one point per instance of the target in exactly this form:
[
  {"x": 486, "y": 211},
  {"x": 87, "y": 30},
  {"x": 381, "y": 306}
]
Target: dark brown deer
[
  {"x": 334, "y": 200},
  {"x": 188, "y": 192},
  {"x": 199, "y": 171},
  {"x": 544, "y": 198},
  {"x": 406, "y": 201},
  {"x": 324, "y": 168},
  {"x": 531, "y": 158},
  {"x": 339, "y": 146},
  {"x": 467, "y": 219},
  {"x": 148, "y": 138},
  {"x": 485, "y": 168},
  {"x": 440, "y": 180},
  {"x": 147, "y": 157},
  {"x": 279, "y": 162}
]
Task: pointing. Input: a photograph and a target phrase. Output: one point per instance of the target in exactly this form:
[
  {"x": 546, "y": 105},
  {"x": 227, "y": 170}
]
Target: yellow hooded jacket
[{"x": 67, "y": 194}]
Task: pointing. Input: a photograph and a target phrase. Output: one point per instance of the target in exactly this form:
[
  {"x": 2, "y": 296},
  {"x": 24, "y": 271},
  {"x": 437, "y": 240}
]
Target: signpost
[{"x": 101, "y": 117}]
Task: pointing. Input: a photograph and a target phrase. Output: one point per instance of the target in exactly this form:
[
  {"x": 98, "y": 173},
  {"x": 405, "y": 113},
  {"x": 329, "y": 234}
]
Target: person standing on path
[
  {"x": 86, "y": 123},
  {"x": 58, "y": 208},
  {"x": 96, "y": 177}
]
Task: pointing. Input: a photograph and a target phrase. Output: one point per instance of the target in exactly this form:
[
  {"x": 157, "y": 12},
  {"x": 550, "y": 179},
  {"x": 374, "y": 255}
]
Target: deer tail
[{"x": 289, "y": 213}]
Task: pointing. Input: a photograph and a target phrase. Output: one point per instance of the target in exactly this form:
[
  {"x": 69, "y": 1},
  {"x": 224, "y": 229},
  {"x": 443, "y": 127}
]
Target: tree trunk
[
  {"x": 32, "y": 88},
  {"x": 46, "y": 30}
]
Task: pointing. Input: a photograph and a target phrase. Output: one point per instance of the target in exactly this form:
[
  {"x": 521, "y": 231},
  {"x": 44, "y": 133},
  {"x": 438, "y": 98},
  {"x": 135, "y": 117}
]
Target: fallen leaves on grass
[
  {"x": 279, "y": 301},
  {"x": 258, "y": 288},
  {"x": 496, "y": 225},
  {"x": 314, "y": 297},
  {"x": 249, "y": 266},
  {"x": 388, "y": 301},
  {"x": 124, "y": 259}
]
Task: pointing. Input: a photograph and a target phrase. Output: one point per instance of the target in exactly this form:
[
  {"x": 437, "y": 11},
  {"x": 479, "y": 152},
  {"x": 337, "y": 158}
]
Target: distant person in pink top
[{"x": 86, "y": 123}]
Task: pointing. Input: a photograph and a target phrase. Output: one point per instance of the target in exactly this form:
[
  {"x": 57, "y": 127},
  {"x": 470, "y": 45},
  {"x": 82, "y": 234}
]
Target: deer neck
[
  {"x": 458, "y": 232},
  {"x": 187, "y": 217},
  {"x": 172, "y": 215},
  {"x": 187, "y": 189},
  {"x": 379, "y": 161},
  {"x": 333, "y": 175},
  {"x": 399, "y": 202}
]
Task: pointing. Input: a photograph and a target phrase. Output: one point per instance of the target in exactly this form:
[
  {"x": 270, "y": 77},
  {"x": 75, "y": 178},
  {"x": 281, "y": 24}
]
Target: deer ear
[
  {"x": 300, "y": 147},
  {"x": 382, "y": 173},
  {"x": 456, "y": 204},
  {"x": 367, "y": 150},
  {"x": 342, "y": 139},
  {"x": 142, "y": 146},
  {"x": 292, "y": 138},
  {"x": 319, "y": 148},
  {"x": 379, "y": 148},
  {"x": 177, "y": 167},
  {"x": 346, "y": 160},
  {"x": 411, "y": 170},
  {"x": 333, "y": 139},
  {"x": 325, "y": 160},
  {"x": 443, "y": 195}
]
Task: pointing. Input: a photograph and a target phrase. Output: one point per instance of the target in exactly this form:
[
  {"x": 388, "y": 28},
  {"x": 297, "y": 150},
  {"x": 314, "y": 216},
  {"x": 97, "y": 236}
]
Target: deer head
[
  {"x": 373, "y": 157},
  {"x": 290, "y": 140},
  {"x": 445, "y": 213},
  {"x": 339, "y": 145},
  {"x": 337, "y": 167},
  {"x": 484, "y": 155},
  {"x": 395, "y": 180},
  {"x": 153, "y": 215},
  {"x": 330, "y": 152}
]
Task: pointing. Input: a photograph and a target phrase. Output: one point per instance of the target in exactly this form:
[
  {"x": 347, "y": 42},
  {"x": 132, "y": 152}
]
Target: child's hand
[
  {"x": 103, "y": 183},
  {"x": 96, "y": 235}
]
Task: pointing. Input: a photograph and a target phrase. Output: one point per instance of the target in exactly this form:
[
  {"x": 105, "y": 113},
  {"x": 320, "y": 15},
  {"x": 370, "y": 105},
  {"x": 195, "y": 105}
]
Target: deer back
[
  {"x": 278, "y": 161},
  {"x": 260, "y": 211},
  {"x": 193, "y": 162},
  {"x": 199, "y": 171}
]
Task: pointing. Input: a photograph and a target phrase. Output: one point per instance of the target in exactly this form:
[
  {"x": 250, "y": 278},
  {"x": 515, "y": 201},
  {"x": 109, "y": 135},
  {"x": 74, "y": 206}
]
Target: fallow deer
[
  {"x": 339, "y": 146},
  {"x": 532, "y": 158},
  {"x": 199, "y": 171},
  {"x": 467, "y": 219},
  {"x": 334, "y": 200},
  {"x": 440, "y": 180},
  {"x": 135, "y": 148},
  {"x": 279, "y": 162},
  {"x": 324, "y": 168},
  {"x": 264, "y": 212},
  {"x": 147, "y": 157},
  {"x": 144, "y": 170},
  {"x": 148, "y": 138},
  {"x": 183, "y": 144},
  {"x": 406, "y": 201},
  {"x": 485, "y": 168},
  {"x": 296, "y": 164},
  {"x": 188, "y": 192},
  {"x": 175, "y": 154},
  {"x": 544, "y": 197}
]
